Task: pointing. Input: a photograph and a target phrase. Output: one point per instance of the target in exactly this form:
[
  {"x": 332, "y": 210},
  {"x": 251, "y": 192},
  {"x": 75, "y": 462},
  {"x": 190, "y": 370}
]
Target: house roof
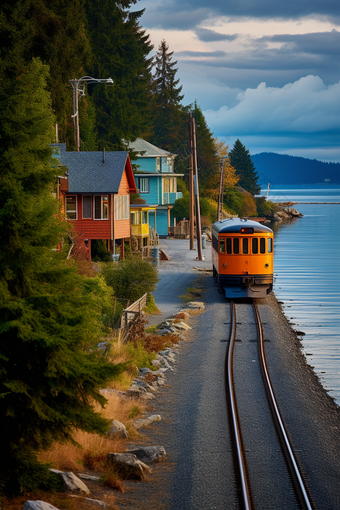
[
  {"x": 97, "y": 171},
  {"x": 142, "y": 146}
]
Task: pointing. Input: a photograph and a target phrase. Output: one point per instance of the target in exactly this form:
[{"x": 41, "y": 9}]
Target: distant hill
[{"x": 283, "y": 169}]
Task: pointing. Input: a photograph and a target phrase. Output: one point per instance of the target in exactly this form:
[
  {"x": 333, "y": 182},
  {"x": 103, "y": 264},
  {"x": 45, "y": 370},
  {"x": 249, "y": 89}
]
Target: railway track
[{"x": 260, "y": 487}]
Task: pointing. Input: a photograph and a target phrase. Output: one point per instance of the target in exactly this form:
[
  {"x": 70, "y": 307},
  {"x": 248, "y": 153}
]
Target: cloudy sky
[{"x": 264, "y": 71}]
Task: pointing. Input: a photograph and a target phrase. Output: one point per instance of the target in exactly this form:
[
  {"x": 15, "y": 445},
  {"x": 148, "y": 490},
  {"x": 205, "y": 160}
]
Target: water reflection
[{"x": 307, "y": 281}]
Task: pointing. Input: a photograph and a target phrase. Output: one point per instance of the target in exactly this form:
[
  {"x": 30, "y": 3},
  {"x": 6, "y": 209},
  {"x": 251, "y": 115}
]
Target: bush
[
  {"x": 264, "y": 207},
  {"x": 131, "y": 278},
  {"x": 99, "y": 252},
  {"x": 234, "y": 201}
]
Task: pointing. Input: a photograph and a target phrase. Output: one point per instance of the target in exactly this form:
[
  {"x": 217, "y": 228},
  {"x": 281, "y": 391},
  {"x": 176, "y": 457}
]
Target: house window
[
  {"x": 144, "y": 185},
  {"x": 145, "y": 217},
  {"x": 71, "y": 207},
  {"x": 101, "y": 207},
  {"x": 169, "y": 185},
  {"x": 158, "y": 164},
  {"x": 122, "y": 207},
  {"x": 87, "y": 207}
]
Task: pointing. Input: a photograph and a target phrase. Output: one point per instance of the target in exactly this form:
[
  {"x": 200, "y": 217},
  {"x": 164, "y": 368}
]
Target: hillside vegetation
[{"x": 284, "y": 169}]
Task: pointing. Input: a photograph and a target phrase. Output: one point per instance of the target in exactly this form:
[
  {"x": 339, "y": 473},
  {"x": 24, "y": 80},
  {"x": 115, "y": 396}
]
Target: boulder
[
  {"x": 38, "y": 505},
  {"x": 150, "y": 454},
  {"x": 128, "y": 466},
  {"x": 118, "y": 429},
  {"x": 182, "y": 326},
  {"x": 144, "y": 422},
  {"x": 71, "y": 481}
]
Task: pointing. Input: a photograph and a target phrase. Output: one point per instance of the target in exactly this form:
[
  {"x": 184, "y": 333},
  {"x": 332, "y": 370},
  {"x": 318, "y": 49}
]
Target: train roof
[{"x": 234, "y": 225}]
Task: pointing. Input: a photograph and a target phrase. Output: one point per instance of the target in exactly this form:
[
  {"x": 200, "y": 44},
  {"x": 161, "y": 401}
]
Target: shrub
[
  {"x": 131, "y": 278},
  {"x": 99, "y": 252}
]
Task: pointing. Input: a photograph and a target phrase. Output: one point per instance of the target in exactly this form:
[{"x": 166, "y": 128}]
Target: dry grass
[{"x": 67, "y": 457}]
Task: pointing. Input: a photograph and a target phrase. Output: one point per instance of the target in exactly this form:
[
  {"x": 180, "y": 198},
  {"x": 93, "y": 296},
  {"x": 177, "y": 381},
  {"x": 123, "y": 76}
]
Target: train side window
[
  {"x": 228, "y": 245},
  {"x": 245, "y": 245},
  {"x": 222, "y": 245},
  {"x": 270, "y": 245},
  {"x": 236, "y": 245},
  {"x": 262, "y": 245},
  {"x": 255, "y": 245}
]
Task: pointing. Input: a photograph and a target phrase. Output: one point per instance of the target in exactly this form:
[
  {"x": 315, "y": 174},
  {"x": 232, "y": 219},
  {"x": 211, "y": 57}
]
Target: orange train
[{"x": 242, "y": 256}]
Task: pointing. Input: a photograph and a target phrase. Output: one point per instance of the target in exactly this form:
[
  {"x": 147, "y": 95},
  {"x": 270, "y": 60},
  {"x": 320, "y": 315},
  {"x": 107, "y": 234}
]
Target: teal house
[{"x": 156, "y": 182}]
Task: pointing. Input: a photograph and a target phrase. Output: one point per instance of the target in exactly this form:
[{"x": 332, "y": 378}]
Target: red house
[{"x": 97, "y": 200}]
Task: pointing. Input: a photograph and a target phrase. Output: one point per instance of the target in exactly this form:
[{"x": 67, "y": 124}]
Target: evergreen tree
[
  {"x": 166, "y": 86},
  {"x": 50, "y": 375},
  {"x": 121, "y": 51},
  {"x": 170, "y": 117},
  {"x": 54, "y": 31},
  {"x": 240, "y": 159}
]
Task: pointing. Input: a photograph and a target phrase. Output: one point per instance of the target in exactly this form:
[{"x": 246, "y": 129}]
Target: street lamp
[{"x": 78, "y": 92}]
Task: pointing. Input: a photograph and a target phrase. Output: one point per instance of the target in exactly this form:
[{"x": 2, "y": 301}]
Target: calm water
[{"x": 307, "y": 275}]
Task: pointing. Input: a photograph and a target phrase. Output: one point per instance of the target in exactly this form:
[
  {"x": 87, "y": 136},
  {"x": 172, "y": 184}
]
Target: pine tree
[
  {"x": 121, "y": 51},
  {"x": 54, "y": 31},
  {"x": 170, "y": 117},
  {"x": 50, "y": 375},
  {"x": 166, "y": 86},
  {"x": 240, "y": 159}
]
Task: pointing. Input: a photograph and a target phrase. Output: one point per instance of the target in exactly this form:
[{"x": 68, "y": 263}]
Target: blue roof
[{"x": 93, "y": 172}]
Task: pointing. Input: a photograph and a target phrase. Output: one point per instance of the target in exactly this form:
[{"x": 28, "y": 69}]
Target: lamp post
[{"x": 78, "y": 92}]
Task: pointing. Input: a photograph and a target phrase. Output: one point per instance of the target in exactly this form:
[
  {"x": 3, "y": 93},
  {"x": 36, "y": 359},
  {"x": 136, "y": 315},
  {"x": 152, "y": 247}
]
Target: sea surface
[{"x": 307, "y": 274}]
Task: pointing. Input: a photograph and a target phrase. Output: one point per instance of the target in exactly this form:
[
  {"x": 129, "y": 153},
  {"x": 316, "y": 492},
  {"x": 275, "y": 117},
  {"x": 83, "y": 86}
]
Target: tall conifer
[
  {"x": 121, "y": 51},
  {"x": 50, "y": 375},
  {"x": 240, "y": 159}
]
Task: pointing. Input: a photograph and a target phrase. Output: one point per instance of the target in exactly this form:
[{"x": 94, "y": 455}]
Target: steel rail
[
  {"x": 236, "y": 429},
  {"x": 292, "y": 465}
]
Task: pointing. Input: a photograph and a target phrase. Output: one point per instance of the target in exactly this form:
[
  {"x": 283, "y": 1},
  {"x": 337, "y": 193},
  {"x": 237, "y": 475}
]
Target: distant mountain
[{"x": 283, "y": 169}]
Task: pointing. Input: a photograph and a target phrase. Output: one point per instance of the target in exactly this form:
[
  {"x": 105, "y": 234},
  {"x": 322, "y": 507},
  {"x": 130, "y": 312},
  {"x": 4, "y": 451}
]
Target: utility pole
[
  {"x": 197, "y": 198},
  {"x": 78, "y": 93},
  {"x": 220, "y": 195},
  {"x": 191, "y": 190}
]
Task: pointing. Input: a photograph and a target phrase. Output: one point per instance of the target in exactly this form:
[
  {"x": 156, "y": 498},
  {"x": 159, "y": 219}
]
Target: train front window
[
  {"x": 262, "y": 245},
  {"x": 236, "y": 245},
  {"x": 245, "y": 245},
  {"x": 228, "y": 245},
  {"x": 270, "y": 245},
  {"x": 255, "y": 245},
  {"x": 222, "y": 245}
]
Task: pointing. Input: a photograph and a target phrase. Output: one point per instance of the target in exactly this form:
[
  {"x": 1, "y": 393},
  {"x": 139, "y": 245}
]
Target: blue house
[{"x": 156, "y": 182}]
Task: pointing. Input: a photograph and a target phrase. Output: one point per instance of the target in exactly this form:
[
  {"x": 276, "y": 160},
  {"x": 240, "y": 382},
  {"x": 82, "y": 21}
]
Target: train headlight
[
  {"x": 266, "y": 266},
  {"x": 224, "y": 265}
]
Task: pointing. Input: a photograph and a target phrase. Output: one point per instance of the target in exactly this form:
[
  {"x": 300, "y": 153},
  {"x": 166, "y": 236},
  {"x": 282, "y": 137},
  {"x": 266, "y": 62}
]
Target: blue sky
[{"x": 263, "y": 71}]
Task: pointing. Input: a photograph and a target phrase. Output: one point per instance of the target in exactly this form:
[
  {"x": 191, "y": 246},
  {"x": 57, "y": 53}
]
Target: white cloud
[{"x": 305, "y": 106}]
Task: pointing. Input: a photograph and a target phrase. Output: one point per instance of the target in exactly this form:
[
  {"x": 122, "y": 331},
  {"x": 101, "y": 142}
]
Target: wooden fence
[{"x": 130, "y": 314}]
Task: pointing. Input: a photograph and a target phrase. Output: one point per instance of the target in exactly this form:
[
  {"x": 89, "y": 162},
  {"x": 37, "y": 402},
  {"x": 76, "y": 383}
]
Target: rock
[
  {"x": 97, "y": 503},
  {"x": 156, "y": 363},
  {"x": 110, "y": 391},
  {"x": 182, "y": 325},
  {"x": 85, "y": 476},
  {"x": 118, "y": 429},
  {"x": 102, "y": 346},
  {"x": 150, "y": 454},
  {"x": 195, "y": 305},
  {"x": 141, "y": 393},
  {"x": 144, "y": 422},
  {"x": 145, "y": 370},
  {"x": 38, "y": 505},
  {"x": 71, "y": 481},
  {"x": 128, "y": 466}
]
